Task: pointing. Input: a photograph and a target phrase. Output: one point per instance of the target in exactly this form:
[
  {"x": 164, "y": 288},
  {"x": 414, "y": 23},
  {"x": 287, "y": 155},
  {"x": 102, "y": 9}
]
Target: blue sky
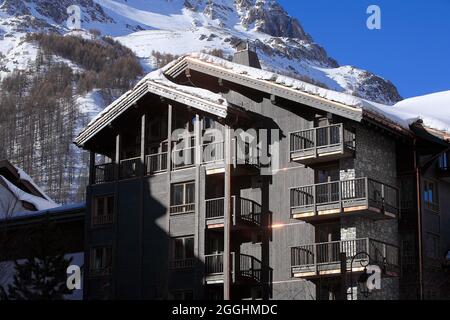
[{"x": 412, "y": 49}]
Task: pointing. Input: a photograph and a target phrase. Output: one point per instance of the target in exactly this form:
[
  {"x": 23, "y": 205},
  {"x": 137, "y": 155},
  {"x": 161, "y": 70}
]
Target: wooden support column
[
  {"x": 343, "y": 292},
  {"x": 227, "y": 219},
  {"x": 143, "y": 142},
  {"x": 91, "y": 167},
  {"x": 169, "y": 195},
  {"x": 143, "y": 172},
  {"x": 197, "y": 160},
  {"x": 117, "y": 154},
  {"x": 116, "y": 208}
]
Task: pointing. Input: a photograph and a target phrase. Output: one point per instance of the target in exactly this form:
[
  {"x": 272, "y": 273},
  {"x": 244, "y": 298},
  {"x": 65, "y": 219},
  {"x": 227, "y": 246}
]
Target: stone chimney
[{"x": 246, "y": 55}]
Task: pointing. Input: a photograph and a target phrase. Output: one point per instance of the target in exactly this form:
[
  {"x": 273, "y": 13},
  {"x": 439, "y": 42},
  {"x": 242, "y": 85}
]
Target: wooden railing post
[
  {"x": 316, "y": 270},
  {"x": 92, "y": 172},
  {"x": 314, "y": 199}
]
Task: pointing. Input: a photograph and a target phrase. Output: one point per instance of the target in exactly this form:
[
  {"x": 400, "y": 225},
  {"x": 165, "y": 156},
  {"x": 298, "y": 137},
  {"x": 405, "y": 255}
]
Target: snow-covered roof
[
  {"x": 156, "y": 83},
  {"x": 55, "y": 210},
  {"x": 38, "y": 202},
  {"x": 25, "y": 177},
  {"x": 433, "y": 110}
]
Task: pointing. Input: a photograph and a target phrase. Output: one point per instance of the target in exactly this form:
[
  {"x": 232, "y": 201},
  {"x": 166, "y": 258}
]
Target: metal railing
[
  {"x": 182, "y": 209},
  {"x": 130, "y": 168},
  {"x": 156, "y": 163},
  {"x": 100, "y": 272},
  {"x": 244, "y": 153},
  {"x": 243, "y": 209},
  {"x": 345, "y": 194},
  {"x": 322, "y": 137},
  {"x": 247, "y": 210},
  {"x": 324, "y": 256},
  {"x": 250, "y": 267},
  {"x": 181, "y": 264},
  {"x": 102, "y": 219},
  {"x": 213, "y": 152},
  {"x": 104, "y": 173},
  {"x": 215, "y": 208},
  {"x": 183, "y": 158},
  {"x": 214, "y": 263}
]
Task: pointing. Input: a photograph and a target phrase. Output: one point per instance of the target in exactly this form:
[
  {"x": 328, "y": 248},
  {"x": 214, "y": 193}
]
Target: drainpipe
[{"x": 419, "y": 219}]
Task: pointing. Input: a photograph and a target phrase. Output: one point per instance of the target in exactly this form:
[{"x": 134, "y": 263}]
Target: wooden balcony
[
  {"x": 244, "y": 158},
  {"x": 321, "y": 144},
  {"x": 246, "y": 269},
  {"x": 362, "y": 196},
  {"x": 323, "y": 259},
  {"x": 246, "y": 214},
  {"x": 102, "y": 220},
  {"x": 130, "y": 168},
  {"x": 182, "y": 264}
]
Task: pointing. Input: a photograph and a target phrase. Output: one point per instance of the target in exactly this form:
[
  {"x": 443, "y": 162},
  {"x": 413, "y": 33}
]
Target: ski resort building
[{"x": 214, "y": 179}]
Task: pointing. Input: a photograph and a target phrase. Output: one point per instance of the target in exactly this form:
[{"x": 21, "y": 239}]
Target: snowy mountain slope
[{"x": 182, "y": 26}]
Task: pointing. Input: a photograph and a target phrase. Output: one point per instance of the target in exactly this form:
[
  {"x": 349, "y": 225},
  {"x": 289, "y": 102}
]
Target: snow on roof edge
[
  {"x": 38, "y": 202},
  {"x": 393, "y": 114}
]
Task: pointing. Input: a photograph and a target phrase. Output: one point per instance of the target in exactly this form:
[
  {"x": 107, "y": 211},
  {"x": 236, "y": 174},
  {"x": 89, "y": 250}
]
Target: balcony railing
[
  {"x": 183, "y": 158},
  {"x": 243, "y": 210},
  {"x": 100, "y": 272},
  {"x": 156, "y": 163},
  {"x": 130, "y": 168},
  {"x": 102, "y": 219},
  {"x": 213, "y": 152},
  {"x": 324, "y": 258},
  {"x": 326, "y": 142},
  {"x": 181, "y": 264},
  {"x": 247, "y": 267},
  {"x": 214, "y": 263},
  {"x": 250, "y": 267},
  {"x": 182, "y": 209},
  {"x": 330, "y": 198},
  {"x": 104, "y": 173}
]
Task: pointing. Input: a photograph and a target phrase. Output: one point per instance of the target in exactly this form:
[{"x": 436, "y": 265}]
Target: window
[
  {"x": 103, "y": 212},
  {"x": 182, "y": 198},
  {"x": 444, "y": 161},
  {"x": 186, "y": 295},
  {"x": 101, "y": 261},
  {"x": 432, "y": 249},
  {"x": 431, "y": 196},
  {"x": 182, "y": 255}
]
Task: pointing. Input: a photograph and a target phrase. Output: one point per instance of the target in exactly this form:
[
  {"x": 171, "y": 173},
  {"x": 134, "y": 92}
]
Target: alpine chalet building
[{"x": 217, "y": 180}]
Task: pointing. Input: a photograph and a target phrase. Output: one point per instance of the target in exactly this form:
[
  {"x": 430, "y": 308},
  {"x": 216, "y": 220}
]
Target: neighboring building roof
[
  {"x": 23, "y": 188},
  {"x": 399, "y": 117},
  {"x": 21, "y": 179},
  {"x": 76, "y": 210}
]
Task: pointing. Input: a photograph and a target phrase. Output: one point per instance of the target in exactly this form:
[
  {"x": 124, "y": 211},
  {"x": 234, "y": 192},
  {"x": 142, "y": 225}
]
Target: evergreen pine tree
[{"x": 43, "y": 275}]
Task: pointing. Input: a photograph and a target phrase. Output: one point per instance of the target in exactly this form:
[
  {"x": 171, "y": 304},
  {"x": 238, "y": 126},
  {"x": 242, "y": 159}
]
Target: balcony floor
[{"x": 335, "y": 211}]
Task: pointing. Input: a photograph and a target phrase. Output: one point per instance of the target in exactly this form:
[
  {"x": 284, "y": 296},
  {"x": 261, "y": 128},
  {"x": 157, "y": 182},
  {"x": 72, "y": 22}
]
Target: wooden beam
[{"x": 227, "y": 219}]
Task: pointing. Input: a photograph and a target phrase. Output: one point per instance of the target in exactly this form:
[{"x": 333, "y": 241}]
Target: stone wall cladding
[{"x": 375, "y": 158}]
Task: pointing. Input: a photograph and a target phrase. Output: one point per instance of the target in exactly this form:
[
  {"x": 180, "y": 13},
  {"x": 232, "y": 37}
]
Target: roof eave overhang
[
  {"x": 154, "y": 88},
  {"x": 272, "y": 88}
]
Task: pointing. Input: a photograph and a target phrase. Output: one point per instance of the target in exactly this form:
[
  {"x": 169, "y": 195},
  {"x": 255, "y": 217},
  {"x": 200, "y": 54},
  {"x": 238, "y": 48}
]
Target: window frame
[
  {"x": 431, "y": 204},
  {"x": 187, "y": 259},
  {"x": 104, "y": 271},
  {"x": 95, "y": 214},
  {"x": 184, "y": 207}
]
